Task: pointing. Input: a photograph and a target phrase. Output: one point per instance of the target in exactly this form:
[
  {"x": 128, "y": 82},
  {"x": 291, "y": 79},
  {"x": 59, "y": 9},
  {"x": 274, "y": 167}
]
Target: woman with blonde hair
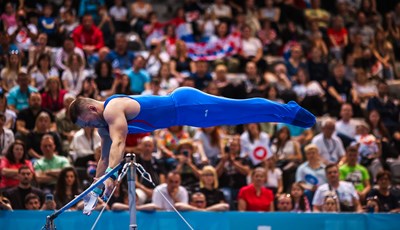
[
  {"x": 182, "y": 65},
  {"x": 9, "y": 74},
  {"x": 53, "y": 96},
  {"x": 209, "y": 186},
  {"x": 42, "y": 127}
]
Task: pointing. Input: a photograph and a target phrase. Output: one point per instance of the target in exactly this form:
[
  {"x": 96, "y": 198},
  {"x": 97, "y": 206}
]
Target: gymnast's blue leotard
[{"x": 189, "y": 106}]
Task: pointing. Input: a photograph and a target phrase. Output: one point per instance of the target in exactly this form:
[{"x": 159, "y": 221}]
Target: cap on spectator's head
[
  {"x": 23, "y": 71},
  {"x": 186, "y": 141},
  {"x": 310, "y": 147}
]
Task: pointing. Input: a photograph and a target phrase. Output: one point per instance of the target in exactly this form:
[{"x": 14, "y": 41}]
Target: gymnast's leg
[{"x": 199, "y": 109}]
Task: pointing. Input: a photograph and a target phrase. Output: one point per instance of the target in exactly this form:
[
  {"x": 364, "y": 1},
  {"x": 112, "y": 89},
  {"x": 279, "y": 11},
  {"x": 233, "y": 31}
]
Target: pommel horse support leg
[
  {"x": 50, "y": 219},
  {"x": 131, "y": 158}
]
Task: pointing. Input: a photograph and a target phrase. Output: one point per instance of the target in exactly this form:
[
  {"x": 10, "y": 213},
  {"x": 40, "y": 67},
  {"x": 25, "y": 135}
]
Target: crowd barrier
[{"x": 23, "y": 220}]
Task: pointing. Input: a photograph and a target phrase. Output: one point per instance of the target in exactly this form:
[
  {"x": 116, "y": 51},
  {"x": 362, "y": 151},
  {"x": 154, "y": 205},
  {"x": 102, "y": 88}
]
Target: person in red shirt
[
  {"x": 338, "y": 36},
  {"x": 87, "y": 36},
  {"x": 255, "y": 197}
]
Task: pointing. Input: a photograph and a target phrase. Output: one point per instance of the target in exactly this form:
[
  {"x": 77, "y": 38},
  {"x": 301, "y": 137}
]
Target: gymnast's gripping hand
[
  {"x": 108, "y": 187},
  {"x": 90, "y": 201}
]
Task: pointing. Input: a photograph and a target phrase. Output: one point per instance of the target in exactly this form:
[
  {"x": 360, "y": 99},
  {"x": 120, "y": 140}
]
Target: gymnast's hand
[{"x": 108, "y": 187}]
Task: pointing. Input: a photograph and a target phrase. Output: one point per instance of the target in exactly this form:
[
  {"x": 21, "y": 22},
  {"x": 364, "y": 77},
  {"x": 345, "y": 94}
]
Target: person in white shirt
[
  {"x": 172, "y": 190},
  {"x": 220, "y": 10},
  {"x": 345, "y": 192},
  {"x": 83, "y": 146},
  {"x": 65, "y": 52},
  {"x": 346, "y": 126},
  {"x": 330, "y": 146}
]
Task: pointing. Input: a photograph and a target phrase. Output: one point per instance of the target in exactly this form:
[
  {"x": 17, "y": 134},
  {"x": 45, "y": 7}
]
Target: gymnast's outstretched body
[{"x": 123, "y": 114}]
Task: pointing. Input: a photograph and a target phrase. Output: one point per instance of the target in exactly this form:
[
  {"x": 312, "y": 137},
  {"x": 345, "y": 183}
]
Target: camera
[
  {"x": 227, "y": 149},
  {"x": 185, "y": 153}
]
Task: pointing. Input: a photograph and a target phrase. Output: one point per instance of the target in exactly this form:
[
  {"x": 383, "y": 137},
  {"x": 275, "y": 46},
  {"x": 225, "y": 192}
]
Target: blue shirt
[
  {"x": 121, "y": 62},
  {"x": 18, "y": 99},
  {"x": 137, "y": 80},
  {"x": 201, "y": 82}
]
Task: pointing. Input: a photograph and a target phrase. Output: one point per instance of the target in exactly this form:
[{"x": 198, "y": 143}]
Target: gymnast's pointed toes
[{"x": 303, "y": 118}]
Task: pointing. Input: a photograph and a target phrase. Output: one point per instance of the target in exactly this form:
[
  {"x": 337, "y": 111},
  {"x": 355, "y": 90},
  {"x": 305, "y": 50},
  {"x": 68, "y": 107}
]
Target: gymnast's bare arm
[{"x": 105, "y": 150}]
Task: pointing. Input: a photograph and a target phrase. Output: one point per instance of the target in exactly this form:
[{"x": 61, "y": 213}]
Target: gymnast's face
[{"x": 91, "y": 120}]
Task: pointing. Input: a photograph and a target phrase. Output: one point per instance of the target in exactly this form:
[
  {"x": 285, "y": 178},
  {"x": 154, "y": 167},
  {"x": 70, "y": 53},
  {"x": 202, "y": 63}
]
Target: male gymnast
[{"x": 122, "y": 114}]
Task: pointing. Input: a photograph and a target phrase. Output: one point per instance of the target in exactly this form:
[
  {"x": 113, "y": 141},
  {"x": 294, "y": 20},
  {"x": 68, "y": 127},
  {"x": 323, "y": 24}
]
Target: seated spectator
[
  {"x": 40, "y": 48},
  {"x": 83, "y": 146},
  {"x": 8, "y": 16},
  {"x": 122, "y": 85},
  {"x": 210, "y": 140},
  {"x": 89, "y": 88},
  {"x": 168, "y": 140},
  {"x": 32, "y": 202},
  {"x": 202, "y": 76},
  {"x": 69, "y": 24},
  {"x": 42, "y": 71},
  {"x": 254, "y": 82},
  {"x": 300, "y": 201},
  {"x": 254, "y": 138},
  {"x": 10, "y": 115},
  {"x": 372, "y": 205},
  {"x": 340, "y": 91},
  {"x": 47, "y": 24},
  {"x": 311, "y": 174},
  {"x": 167, "y": 81},
  {"x": 295, "y": 62},
  {"x": 318, "y": 68},
  {"x": 26, "y": 118},
  {"x": 361, "y": 27},
  {"x": 63, "y": 54},
  {"x": 24, "y": 33},
  {"x": 355, "y": 173},
  {"x": 172, "y": 190},
  {"x": 67, "y": 187},
  {"x": 182, "y": 65},
  {"x": 364, "y": 88},
  {"x": 338, "y": 37},
  {"x": 104, "y": 78},
  {"x": 15, "y": 158},
  {"x": 232, "y": 171},
  {"x": 309, "y": 93},
  {"x": 388, "y": 201},
  {"x": 274, "y": 176},
  {"x": 65, "y": 127},
  {"x": 255, "y": 197},
  {"x": 139, "y": 78},
  {"x": 87, "y": 36},
  {"x": 119, "y": 14},
  {"x": 49, "y": 166},
  {"x": 252, "y": 50},
  {"x": 6, "y": 136},
  {"x": 209, "y": 186},
  {"x": 287, "y": 154},
  {"x": 106, "y": 26},
  {"x": 53, "y": 95},
  {"x": 346, "y": 126},
  {"x": 330, "y": 146},
  {"x": 284, "y": 203},
  {"x": 345, "y": 191},
  {"x": 189, "y": 162},
  {"x": 382, "y": 49},
  {"x": 17, "y": 194},
  {"x": 152, "y": 165},
  {"x": 33, "y": 139},
  {"x": 155, "y": 59},
  {"x": 317, "y": 14},
  {"x": 9, "y": 74},
  {"x": 198, "y": 202},
  {"x": 120, "y": 202},
  {"x": 235, "y": 89},
  {"x": 386, "y": 106},
  {"x": 370, "y": 148},
  {"x": 331, "y": 204},
  {"x": 17, "y": 98},
  {"x": 269, "y": 11},
  {"x": 72, "y": 77}
]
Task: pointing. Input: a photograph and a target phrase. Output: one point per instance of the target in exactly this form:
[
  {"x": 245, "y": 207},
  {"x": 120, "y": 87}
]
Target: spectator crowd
[{"x": 339, "y": 59}]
